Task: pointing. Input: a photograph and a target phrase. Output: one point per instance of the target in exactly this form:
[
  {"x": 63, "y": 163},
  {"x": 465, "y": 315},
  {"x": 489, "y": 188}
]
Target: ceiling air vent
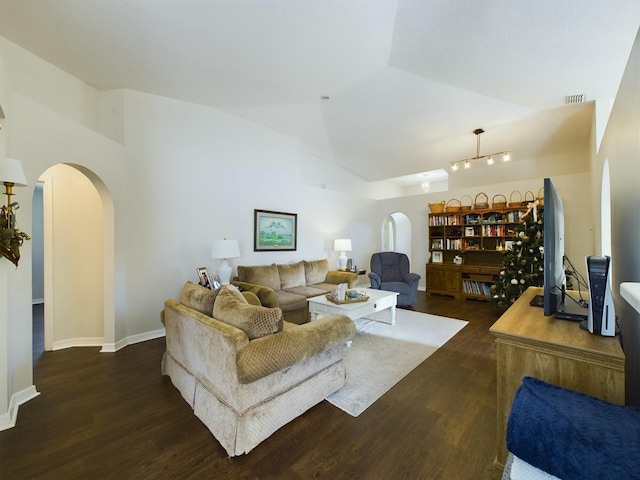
[{"x": 574, "y": 98}]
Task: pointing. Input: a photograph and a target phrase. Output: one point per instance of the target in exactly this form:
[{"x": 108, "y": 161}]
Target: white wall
[
  {"x": 621, "y": 146},
  {"x": 195, "y": 175}
]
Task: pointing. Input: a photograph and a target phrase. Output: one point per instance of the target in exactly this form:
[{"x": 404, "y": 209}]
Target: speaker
[{"x": 601, "y": 317}]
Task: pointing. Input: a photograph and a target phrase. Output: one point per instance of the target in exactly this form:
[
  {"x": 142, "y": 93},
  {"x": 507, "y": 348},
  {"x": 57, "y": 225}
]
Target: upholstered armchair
[{"x": 390, "y": 271}]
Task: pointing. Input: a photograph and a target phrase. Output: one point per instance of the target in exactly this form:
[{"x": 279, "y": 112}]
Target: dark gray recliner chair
[{"x": 390, "y": 271}]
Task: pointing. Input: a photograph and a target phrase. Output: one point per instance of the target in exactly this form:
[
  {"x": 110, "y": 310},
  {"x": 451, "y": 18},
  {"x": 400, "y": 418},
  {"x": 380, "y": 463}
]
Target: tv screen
[{"x": 554, "y": 277}]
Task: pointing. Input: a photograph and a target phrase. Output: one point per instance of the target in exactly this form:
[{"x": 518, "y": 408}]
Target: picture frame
[
  {"x": 436, "y": 244},
  {"x": 436, "y": 257},
  {"x": 204, "y": 278},
  {"x": 274, "y": 231}
]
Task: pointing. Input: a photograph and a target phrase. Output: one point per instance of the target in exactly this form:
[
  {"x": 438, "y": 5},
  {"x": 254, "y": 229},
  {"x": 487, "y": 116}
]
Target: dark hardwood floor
[{"x": 102, "y": 415}]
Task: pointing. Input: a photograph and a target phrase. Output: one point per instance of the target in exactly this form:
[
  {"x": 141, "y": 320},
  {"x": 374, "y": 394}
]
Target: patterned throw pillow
[{"x": 256, "y": 321}]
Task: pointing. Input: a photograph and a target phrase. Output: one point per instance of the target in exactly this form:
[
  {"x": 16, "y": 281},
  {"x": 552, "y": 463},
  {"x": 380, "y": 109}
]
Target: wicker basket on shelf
[
  {"x": 449, "y": 207},
  {"x": 540, "y": 197},
  {"x": 436, "y": 207},
  {"x": 516, "y": 201},
  {"x": 481, "y": 202},
  {"x": 528, "y": 198},
  {"x": 466, "y": 203},
  {"x": 499, "y": 201}
]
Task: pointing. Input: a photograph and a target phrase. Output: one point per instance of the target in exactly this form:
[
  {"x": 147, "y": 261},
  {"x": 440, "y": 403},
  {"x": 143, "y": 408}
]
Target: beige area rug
[{"x": 381, "y": 354}]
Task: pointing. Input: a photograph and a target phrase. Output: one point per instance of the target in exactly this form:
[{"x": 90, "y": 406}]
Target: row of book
[
  {"x": 476, "y": 287},
  {"x": 440, "y": 220}
]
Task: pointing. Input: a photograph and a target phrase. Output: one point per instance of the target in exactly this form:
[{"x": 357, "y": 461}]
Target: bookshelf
[{"x": 480, "y": 238}]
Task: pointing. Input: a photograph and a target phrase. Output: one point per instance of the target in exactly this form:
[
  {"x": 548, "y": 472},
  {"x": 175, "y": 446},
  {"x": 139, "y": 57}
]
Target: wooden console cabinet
[{"x": 556, "y": 351}]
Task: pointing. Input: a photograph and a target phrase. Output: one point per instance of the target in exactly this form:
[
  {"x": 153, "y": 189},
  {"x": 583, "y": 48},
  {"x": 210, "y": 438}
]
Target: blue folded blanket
[{"x": 573, "y": 436}]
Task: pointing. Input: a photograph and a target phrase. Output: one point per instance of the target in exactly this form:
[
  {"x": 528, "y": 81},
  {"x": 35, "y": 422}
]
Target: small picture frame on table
[
  {"x": 436, "y": 257},
  {"x": 204, "y": 278}
]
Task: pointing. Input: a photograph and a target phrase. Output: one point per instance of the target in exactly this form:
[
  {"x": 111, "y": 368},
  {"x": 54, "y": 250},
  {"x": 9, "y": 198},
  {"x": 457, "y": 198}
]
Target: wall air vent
[{"x": 574, "y": 98}]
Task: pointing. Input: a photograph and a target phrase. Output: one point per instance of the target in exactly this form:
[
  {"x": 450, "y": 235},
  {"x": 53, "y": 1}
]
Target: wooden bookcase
[{"x": 480, "y": 238}]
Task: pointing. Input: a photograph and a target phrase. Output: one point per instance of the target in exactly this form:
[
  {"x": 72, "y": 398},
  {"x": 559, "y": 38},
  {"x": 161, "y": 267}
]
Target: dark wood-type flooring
[{"x": 113, "y": 416}]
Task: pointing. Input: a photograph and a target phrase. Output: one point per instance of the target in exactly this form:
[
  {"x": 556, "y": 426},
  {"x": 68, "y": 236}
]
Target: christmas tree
[{"x": 523, "y": 264}]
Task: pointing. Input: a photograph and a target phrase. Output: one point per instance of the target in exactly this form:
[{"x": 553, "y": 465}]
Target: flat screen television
[{"x": 553, "y": 237}]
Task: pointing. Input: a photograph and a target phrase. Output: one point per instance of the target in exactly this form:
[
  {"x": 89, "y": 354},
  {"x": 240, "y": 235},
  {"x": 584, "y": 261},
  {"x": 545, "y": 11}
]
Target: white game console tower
[{"x": 601, "y": 318}]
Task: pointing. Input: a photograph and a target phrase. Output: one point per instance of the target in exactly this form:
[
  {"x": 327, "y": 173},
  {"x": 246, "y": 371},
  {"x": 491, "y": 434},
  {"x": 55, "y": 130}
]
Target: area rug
[{"x": 381, "y": 354}]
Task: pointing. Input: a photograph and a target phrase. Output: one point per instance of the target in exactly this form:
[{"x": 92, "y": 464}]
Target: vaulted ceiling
[{"x": 407, "y": 81}]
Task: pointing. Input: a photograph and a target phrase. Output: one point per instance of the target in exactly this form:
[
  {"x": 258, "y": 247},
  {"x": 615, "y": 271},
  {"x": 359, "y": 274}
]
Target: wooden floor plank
[{"x": 104, "y": 415}]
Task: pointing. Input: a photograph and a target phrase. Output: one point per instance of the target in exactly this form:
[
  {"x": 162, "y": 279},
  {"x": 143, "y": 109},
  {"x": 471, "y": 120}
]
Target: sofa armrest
[
  {"x": 337, "y": 277},
  {"x": 266, "y": 355},
  {"x": 411, "y": 278},
  {"x": 267, "y": 295},
  {"x": 375, "y": 280}
]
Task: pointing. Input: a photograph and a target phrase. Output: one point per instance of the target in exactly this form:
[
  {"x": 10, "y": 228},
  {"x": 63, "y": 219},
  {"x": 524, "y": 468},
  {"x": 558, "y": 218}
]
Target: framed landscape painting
[{"x": 274, "y": 231}]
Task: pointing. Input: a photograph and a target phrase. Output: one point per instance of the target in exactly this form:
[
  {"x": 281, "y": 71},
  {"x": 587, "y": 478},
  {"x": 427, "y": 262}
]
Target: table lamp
[
  {"x": 342, "y": 245},
  {"x": 225, "y": 249}
]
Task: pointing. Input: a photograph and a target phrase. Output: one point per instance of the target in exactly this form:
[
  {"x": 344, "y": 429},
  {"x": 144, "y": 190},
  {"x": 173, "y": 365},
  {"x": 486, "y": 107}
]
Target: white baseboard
[
  {"x": 8, "y": 420},
  {"x": 140, "y": 337},
  {"x": 78, "y": 342},
  {"x": 108, "y": 347}
]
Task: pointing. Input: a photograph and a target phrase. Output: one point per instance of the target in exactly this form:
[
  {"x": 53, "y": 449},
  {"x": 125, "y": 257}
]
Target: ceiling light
[
  {"x": 506, "y": 155},
  {"x": 426, "y": 186}
]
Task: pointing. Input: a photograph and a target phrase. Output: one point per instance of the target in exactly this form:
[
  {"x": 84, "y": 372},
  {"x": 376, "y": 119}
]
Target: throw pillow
[
  {"x": 198, "y": 297},
  {"x": 316, "y": 271},
  {"x": 292, "y": 275},
  {"x": 266, "y": 275},
  {"x": 256, "y": 321}
]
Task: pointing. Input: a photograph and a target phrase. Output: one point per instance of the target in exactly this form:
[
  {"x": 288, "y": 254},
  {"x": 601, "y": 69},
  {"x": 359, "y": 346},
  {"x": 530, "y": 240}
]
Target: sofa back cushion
[
  {"x": 198, "y": 297},
  {"x": 316, "y": 271},
  {"x": 266, "y": 275},
  {"x": 292, "y": 276},
  {"x": 232, "y": 308}
]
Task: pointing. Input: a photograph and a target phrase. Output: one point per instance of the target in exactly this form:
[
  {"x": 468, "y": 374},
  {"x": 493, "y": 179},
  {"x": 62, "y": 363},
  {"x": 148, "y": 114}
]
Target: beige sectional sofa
[
  {"x": 245, "y": 372},
  {"x": 289, "y": 285}
]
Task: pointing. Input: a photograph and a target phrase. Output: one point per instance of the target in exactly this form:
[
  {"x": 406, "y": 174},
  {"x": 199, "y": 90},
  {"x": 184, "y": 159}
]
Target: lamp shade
[
  {"x": 342, "y": 244},
  {"x": 11, "y": 172},
  {"x": 225, "y": 249}
]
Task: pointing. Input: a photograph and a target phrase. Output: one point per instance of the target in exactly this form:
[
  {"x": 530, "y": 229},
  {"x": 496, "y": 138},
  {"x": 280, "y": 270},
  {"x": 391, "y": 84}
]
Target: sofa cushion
[
  {"x": 198, "y": 297},
  {"x": 291, "y": 301},
  {"x": 292, "y": 275},
  {"x": 316, "y": 271},
  {"x": 309, "y": 292},
  {"x": 266, "y": 275},
  {"x": 232, "y": 308}
]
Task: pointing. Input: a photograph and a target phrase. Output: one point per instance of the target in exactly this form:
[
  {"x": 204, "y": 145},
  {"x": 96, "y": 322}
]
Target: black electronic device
[{"x": 553, "y": 237}]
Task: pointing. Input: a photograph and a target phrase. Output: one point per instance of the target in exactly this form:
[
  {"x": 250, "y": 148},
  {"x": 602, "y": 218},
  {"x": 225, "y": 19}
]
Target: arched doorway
[
  {"x": 396, "y": 233},
  {"x": 78, "y": 259}
]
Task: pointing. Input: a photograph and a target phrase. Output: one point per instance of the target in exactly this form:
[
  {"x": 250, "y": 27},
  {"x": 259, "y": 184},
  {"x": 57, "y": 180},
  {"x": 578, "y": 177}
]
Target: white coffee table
[{"x": 378, "y": 300}]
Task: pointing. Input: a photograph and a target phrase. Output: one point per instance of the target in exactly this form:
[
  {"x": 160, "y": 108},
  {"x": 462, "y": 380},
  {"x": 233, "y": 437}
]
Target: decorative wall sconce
[{"x": 11, "y": 238}]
